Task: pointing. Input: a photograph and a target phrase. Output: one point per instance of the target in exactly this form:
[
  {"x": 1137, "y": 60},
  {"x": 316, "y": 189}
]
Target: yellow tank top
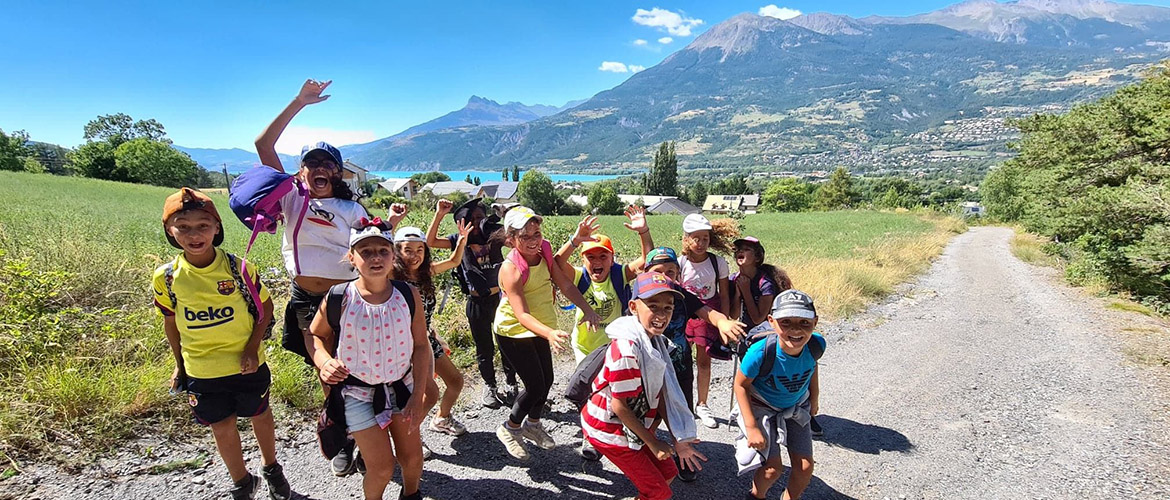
[{"x": 538, "y": 295}]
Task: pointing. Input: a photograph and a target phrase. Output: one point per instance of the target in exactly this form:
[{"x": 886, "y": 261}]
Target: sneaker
[
  {"x": 588, "y": 452},
  {"x": 359, "y": 463},
  {"x": 246, "y": 488},
  {"x": 426, "y": 452},
  {"x": 513, "y": 441},
  {"x": 278, "y": 488},
  {"x": 684, "y": 474},
  {"x": 447, "y": 425},
  {"x": 816, "y": 428},
  {"x": 344, "y": 464},
  {"x": 413, "y": 496},
  {"x": 507, "y": 394},
  {"x": 489, "y": 398},
  {"x": 535, "y": 432},
  {"x": 706, "y": 417}
]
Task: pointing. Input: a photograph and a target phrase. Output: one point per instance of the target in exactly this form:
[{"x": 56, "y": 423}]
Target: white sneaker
[
  {"x": 706, "y": 417},
  {"x": 447, "y": 425},
  {"x": 426, "y": 452},
  {"x": 513, "y": 441},
  {"x": 537, "y": 434}
]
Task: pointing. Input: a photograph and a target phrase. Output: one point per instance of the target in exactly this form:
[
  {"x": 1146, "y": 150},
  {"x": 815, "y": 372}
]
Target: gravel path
[{"x": 986, "y": 378}]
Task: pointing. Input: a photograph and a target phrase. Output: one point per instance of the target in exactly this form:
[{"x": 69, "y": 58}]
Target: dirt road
[{"x": 986, "y": 378}]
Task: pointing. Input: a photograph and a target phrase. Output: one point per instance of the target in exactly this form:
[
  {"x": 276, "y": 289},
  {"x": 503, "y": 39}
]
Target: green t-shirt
[{"x": 603, "y": 298}]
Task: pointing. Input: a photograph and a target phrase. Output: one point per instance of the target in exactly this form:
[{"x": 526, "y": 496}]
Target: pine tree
[
  {"x": 515, "y": 173},
  {"x": 663, "y": 177},
  {"x": 836, "y": 194}
]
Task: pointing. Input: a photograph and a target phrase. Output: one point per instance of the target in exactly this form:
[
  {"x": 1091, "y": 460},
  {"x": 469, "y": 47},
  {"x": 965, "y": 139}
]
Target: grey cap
[{"x": 793, "y": 303}]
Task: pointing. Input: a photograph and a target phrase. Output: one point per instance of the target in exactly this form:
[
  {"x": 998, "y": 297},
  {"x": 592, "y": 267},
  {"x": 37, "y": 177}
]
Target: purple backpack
[{"x": 255, "y": 198}]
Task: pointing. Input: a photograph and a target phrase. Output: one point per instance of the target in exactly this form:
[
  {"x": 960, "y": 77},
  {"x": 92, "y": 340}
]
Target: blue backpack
[
  {"x": 255, "y": 199},
  {"x": 617, "y": 276}
]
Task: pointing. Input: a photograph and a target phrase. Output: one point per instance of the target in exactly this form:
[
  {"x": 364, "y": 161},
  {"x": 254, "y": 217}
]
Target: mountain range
[{"x": 820, "y": 90}]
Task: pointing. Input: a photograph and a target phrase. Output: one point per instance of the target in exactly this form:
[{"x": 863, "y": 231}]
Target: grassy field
[{"x": 84, "y": 362}]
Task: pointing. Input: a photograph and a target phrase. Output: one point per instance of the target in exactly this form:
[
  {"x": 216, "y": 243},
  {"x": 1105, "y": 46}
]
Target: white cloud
[
  {"x": 778, "y": 12},
  {"x": 640, "y": 42},
  {"x": 634, "y": 68},
  {"x": 613, "y": 67},
  {"x": 294, "y": 138},
  {"x": 665, "y": 40},
  {"x": 674, "y": 23}
]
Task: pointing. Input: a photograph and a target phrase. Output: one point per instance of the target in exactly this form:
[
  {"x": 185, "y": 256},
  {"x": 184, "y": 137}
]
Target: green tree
[
  {"x": 663, "y": 176},
  {"x": 894, "y": 192},
  {"x": 153, "y": 162},
  {"x": 120, "y": 127},
  {"x": 603, "y": 200},
  {"x": 788, "y": 195},
  {"x": 536, "y": 192},
  {"x": 54, "y": 158},
  {"x": 467, "y": 179},
  {"x": 14, "y": 150},
  {"x": 697, "y": 193},
  {"x": 837, "y": 193},
  {"x": 96, "y": 160},
  {"x": 429, "y": 177},
  {"x": 515, "y": 173},
  {"x": 1003, "y": 193},
  {"x": 505, "y": 173},
  {"x": 476, "y": 181}
]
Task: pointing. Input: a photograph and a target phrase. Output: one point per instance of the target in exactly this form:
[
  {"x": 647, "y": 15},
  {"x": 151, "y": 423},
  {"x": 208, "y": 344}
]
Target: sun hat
[
  {"x": 602, "y": 243},
  {"x": 517, "y": 217},
  {"x": 409, "y": 234},
  {"x": 661, "y": 255},
  {"x": 189, "y": 199},
  {"x": 647, "y": 285},
  {"x": 358, "y": 235},
  {"x": 695, "y": 222},
  {"x": 326, "y": 148},
  {"x": 793, "y": 304},
  {"x": 751, "y": 241}
]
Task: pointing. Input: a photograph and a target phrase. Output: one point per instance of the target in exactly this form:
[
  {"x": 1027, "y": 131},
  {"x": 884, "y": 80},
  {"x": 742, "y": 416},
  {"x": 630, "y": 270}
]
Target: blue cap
[{"x": 323, "y": 146}]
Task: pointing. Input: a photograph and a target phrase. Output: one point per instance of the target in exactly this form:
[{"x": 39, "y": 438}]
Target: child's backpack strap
[
  {"x": 169, "y": 279},
  {"x": 250, "y": 290},
  {"x": 333, "y": 300},
  {"x": 583, "y": 283},
  {"x": 617, "y": 276},
  {"x": 815, "y": 348},
  {"x": 546, "y": 254},
  {"x": 404, "y": 289},
  {"x": 770, "y": 345}
]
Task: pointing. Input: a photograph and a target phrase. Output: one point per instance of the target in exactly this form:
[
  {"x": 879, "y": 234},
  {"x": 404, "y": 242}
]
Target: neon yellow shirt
[
  {"x": 603, "y": 298},
  {"x": 538, "y": 295},
  {"x": 212, "y": 317}
]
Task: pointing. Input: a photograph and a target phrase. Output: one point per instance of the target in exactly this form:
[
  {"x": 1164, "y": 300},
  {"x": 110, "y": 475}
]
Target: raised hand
[
  {"x": 463, "y": 226},
  {"x": 585, "y": 230},
  {"x": 444, "y": 206},
  {"x": 637, "y": 216},
  {"x": 311, "y": 92}
]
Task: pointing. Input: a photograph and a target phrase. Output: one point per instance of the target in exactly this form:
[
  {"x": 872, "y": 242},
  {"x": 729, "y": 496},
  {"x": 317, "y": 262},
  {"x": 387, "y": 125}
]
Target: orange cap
[
  {"x": 602, "y": 243},
  {"x": 189, "y": 199}
]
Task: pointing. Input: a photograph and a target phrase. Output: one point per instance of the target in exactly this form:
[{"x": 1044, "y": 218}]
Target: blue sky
[{"x": 215, "y": 73}]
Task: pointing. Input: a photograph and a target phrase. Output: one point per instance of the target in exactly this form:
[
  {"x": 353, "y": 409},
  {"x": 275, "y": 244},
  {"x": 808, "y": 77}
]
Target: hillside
[{"x": 823, "y": 90}]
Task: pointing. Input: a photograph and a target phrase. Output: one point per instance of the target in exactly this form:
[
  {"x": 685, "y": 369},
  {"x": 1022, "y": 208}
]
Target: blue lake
[{"x": 459, "y": 175}]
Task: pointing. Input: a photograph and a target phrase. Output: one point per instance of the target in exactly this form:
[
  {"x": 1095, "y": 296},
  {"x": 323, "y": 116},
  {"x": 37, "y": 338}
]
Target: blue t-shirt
[{"x": 790, "y": 375}]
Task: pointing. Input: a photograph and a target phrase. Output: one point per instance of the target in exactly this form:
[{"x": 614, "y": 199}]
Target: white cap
[
  {"x": 357, "y": 235},
  {"x": 517, "y": 217},
  {"x": 411, "y": 234},
  {"x": 696, "y": 222}
]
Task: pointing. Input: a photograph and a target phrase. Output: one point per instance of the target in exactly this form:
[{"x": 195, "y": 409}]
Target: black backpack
[
  {"x": 765, "y": 333},
  {"x": 580, "y": 387}
]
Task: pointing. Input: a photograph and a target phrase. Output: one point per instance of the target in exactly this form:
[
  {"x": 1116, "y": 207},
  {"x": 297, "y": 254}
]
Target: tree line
[{"x": 117, "y": 148}]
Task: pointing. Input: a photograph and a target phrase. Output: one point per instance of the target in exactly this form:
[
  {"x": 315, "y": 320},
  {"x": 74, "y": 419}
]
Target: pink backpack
[{"x": 546, "y": 254}]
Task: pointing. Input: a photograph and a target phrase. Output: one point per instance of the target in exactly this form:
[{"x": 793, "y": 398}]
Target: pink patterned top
[{"x": 375, "y": 341}]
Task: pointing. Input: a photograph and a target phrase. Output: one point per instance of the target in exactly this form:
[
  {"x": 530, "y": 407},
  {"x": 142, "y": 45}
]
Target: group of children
[{"x": 363, "y": 298}]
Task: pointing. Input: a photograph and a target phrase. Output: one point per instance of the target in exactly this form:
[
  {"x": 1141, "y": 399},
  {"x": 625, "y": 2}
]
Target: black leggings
[
  {"x": 481, "y": 311},
  {"x": 532, "y": 358}
]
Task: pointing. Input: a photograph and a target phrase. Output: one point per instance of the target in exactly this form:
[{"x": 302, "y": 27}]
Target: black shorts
[
  {"x": 436, "y": 346},
  {"x": 214, "y": 399},
  {"x": 298, "y": 315}
]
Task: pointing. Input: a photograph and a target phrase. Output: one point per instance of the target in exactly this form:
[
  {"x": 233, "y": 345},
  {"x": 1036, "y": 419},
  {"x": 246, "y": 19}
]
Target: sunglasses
[{"x": 315, "y": 164}]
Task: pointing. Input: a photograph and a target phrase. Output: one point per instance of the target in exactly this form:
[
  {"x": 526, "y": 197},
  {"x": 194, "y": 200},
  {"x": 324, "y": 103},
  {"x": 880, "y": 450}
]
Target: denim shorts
[{"x": 360, "y": 415}]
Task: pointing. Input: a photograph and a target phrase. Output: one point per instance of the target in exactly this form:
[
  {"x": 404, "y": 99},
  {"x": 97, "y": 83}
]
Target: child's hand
[
  {"x": 731, "y": 331},
  {"x": 814, "y": 407},
  {"x": 585, "y": 230},
  {"x": 755, "y": 439},
  {"x": 637, "y": 216},
  {"x": 333, "y": 372},
  {"x": 661, "y": 451},
  {"x": 398, "y": 210},
  {"x": 592, "y": 319},
  {"x": 689, "y": 456},
  {"x": 557, "y": 339},
  {"x": 249, "y": 361},
  {"x": 311, "y": 92},
  {"x": 413, "y": 413},
  {"x": 444, "y": 206},
  {"x": 464, "y": 227},
  {"x": 743, "y": 282},
  {"x": 176, "y": 376}
]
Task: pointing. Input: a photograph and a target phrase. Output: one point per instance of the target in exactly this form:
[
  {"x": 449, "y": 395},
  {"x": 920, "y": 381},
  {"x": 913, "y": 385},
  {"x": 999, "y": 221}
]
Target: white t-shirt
[
  {"x": 700, "y": 278},
  {"x": 319, "y": 247}
]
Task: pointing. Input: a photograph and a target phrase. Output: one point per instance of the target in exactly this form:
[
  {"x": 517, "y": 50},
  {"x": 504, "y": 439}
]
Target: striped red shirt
[{"x": 620, "y": 377}]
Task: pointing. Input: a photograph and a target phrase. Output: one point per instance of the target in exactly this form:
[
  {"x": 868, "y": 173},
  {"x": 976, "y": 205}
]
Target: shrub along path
[{"x": 986, "y": 378}]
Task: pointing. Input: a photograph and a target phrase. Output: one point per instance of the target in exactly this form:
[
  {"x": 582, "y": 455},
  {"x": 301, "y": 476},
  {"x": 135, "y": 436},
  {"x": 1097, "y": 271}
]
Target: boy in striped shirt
[{"x": 636, "y": 390}]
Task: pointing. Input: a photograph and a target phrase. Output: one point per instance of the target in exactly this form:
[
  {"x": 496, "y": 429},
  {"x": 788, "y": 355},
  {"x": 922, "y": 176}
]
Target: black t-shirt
[
  {"x": 480, "y": 270},
  {"x": 684, "y": 309}
]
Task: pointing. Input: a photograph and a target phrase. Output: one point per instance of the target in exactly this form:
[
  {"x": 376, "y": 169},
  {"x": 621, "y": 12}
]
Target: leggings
[
  {"x": 481, "y": 312},
  {"x": 532, "y": 358}
]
